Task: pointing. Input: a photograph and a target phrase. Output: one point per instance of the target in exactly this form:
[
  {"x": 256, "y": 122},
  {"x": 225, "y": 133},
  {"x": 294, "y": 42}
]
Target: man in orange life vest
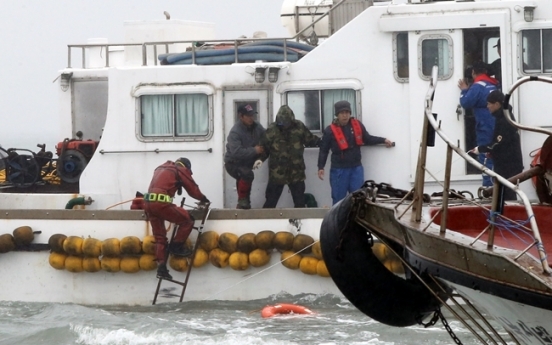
[
  {"x": 344, "y": 137},
  {"x": 168, "y": 178}
]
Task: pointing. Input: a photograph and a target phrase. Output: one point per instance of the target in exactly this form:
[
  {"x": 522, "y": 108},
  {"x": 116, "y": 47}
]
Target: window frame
[
  {"x": 450, "y": 58},
  {"x": 542, "y": 69},
  {"x": 173, "y": 90},
  {"x": 396, "y": 57}
]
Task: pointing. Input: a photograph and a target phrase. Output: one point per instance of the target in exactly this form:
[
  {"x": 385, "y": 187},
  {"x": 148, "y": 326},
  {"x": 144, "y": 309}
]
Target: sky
[{"x": 35, "y": 34}]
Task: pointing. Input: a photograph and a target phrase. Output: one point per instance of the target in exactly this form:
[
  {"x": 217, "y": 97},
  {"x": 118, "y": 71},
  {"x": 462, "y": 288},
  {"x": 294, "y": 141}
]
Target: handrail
[
  {"x": 210, "y": 150},
  {"x": 420, "y": 176}
]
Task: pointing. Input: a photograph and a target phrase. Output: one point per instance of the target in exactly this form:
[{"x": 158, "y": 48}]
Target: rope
[
  {"x": 256, "y": 274},
  {"x": 123, "y": 202}
]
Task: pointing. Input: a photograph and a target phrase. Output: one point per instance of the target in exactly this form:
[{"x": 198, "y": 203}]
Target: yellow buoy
[
  {"x": 178, "y": 263},
  {"x": 246, "y": 243},
  {"x": 130, "y": 264},
  {"x": 228, "y": 242},
  {"x": 111, "y": 247},
  {"x": 57, "y": 260},
  {"x": 148, "y": 244},
  {"x": 111, "y": 264},
  {"x": 73, "y": 245},
  {"x": 147, "y": 262},
  {"x": 380, "y": 250},
  {"x": 264, "y": 239},
  {"x": 130, "y": 245},
  {"x": 283, "y": 241},
  {"x": 91, "y": 264},
  {"x": 56, "y": 242},
  {"x": 92, "y": 247},
  {"x": 201, "y": 258},
  {"x": 317, "y": 250},
  {"x": 7, "y": 243},
  {"x": 23, "y": 235},
  {"x": 208, "y": 240},
  {"x": 259, "y": 257},
  {"x": 302, "y": 243},
  {"x": 308, "y": 265},
  {"x": 239, "y": 261},
  {"x": 394, "y": 265},
  {"x": 290, "y": 259},
  {"x": 219, "y": 258},
  {"x": 321, "y": 269},
  {"x": 73, "y": 264}
]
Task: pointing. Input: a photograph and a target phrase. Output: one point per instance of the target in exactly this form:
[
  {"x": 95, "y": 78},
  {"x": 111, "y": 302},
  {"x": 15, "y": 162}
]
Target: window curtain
[
  {"x": 330, "y": 97},
  {"x": 157, "y": 115},
  {"x": 192, "y": 114}
]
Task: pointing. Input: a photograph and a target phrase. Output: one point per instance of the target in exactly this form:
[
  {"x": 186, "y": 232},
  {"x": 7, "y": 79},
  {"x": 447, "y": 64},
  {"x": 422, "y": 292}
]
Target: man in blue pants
[
  {"x": 344, "y": 137},
  {"x": 475, "y": 97}
]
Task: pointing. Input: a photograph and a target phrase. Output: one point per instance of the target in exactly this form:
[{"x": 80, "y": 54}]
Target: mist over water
[{"x": 209, "y": 322}]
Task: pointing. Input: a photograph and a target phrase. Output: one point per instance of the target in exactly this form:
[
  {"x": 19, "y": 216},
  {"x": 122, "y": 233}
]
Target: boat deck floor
[{"x": 512, "y": 230}]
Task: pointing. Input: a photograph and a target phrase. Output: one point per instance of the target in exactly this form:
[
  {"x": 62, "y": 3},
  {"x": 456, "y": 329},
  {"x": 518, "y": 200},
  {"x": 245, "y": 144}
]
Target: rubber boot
[
  {"x": 163, "y": 272},
  {"x": 244, "y": 204},
  {"x": 178, "y": 248}
]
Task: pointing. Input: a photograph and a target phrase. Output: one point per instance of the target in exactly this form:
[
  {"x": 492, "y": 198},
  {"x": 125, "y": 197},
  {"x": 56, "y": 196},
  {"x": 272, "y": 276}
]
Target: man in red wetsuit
[{"x": 168, "y": 178}]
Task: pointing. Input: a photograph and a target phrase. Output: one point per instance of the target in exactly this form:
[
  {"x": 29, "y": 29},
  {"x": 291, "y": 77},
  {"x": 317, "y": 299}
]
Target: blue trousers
[
  {"x": 487, "y": 181},
  {"x": 343, "y": 180}
]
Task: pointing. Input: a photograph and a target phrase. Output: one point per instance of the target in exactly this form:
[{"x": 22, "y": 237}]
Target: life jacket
[{"x": 340, "y": 136}]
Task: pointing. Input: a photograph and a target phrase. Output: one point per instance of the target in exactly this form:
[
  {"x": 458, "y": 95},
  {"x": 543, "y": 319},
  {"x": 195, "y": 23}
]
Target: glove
[
  {"x": 475, "y": 151},
  {"x": 257, "y": 164}
]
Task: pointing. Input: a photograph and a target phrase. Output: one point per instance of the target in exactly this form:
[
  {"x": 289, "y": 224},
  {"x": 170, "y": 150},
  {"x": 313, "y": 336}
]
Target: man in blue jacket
[
  {"x": 475, "y": 97},
  {"x": 344, "y": 137}
]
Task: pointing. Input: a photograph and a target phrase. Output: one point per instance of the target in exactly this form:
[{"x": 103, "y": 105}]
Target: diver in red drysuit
[{"x": 168, "y": 178}]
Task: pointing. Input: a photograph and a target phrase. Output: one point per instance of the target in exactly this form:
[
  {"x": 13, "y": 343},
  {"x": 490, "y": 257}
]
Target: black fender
[{"x": 363, "y": 279}]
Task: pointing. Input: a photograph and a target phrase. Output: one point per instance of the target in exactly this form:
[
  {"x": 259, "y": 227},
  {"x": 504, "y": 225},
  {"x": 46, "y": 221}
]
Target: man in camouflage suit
[{"x": 284, "y": 141}]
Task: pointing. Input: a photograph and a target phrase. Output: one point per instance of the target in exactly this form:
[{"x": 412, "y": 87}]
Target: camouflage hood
[{"x": 285, "y": 116}]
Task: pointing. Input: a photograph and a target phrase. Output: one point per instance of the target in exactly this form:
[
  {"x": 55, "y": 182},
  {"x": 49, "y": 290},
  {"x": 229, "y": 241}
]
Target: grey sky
[{"x": 35, "y": 35}]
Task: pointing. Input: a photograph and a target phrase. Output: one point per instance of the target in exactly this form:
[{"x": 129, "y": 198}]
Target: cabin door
[
  {"x": 259, "y": 100},
  {"x": 444, "y": 49}
]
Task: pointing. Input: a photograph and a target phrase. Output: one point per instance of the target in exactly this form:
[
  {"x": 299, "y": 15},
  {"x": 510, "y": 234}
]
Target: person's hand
[
  {"x": 203, "y": 203},
  {"x": 257, "y": 164},
  {"x": 259, "y": 149},
  {"x": 389, "y": 143},
  {"x": 321, "y": 174},
  {"x": 462, "y": 84}
]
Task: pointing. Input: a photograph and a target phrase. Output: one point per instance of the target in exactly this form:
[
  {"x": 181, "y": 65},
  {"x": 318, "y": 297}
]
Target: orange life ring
[{"x": 282, "y": 308}]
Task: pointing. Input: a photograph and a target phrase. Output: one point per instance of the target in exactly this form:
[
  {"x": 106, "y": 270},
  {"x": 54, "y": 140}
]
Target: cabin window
[
  {"x": 435, "y": 50},
  {"x": 174, "y": 116},
  {"x": 315, "y": 108},
  {"x": 537, "y": 51},
  {"x": 400, "y": 55}
]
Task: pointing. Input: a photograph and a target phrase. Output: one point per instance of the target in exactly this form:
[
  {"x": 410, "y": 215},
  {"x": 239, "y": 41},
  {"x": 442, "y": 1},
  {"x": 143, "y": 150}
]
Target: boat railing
[
  {"x": 195, "y": 45},
  {"x": 430, "y": 120}
]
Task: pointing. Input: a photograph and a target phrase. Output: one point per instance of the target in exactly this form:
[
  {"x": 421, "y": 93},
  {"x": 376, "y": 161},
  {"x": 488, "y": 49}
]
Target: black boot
[
  {"x": 163, "y": 272},
  {"x": 177, "y": 248}
]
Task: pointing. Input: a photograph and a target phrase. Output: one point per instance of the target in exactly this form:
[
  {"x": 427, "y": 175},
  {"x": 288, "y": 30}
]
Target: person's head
[
  {"x": 495, "y": 100},
  {"x": 343, "y": 112},
  {"x": 479, "y": 67},
  {"x": 497, "y": 46},
  {"x": 247, "y": 114},
  {"x": 185, "y": 162},
  {"x": 285, "y": 117}
]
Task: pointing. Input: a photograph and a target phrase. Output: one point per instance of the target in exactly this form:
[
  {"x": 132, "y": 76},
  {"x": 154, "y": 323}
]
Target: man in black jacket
[
  {"x": 505, "y": 148},
  {"x": 243, "y": 153}
]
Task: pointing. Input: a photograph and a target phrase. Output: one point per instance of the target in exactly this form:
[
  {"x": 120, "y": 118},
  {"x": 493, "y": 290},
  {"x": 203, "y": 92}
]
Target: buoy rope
[
  {"x": 123, "y": 202},
  {"x": 256, "y": 274}
]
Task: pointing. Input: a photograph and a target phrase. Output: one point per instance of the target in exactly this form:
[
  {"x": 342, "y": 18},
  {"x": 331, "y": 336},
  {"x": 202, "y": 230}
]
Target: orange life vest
[{"x": 340, "y": 136}]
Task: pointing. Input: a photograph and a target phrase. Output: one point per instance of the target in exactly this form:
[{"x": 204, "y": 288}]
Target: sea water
[{"x": 336, "y": 321}]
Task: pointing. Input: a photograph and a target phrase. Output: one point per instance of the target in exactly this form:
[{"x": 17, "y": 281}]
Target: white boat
[{"x": 378, "y": 55}]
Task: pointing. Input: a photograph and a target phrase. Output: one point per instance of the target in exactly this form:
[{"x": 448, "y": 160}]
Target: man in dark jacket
[
  {"x": 284, "y": 142},
  {"x": 344, "y": 137},
  {"x": 505, "y": 147},
  {"x": 168, "y": 178},
  {"x": 243, "y": 153},
  {"x": 475, "y": 97}
]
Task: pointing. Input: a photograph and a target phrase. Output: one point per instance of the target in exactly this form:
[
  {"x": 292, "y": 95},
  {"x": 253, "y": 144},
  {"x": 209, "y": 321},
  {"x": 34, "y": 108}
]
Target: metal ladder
[{"x": 184, "y": 284}]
